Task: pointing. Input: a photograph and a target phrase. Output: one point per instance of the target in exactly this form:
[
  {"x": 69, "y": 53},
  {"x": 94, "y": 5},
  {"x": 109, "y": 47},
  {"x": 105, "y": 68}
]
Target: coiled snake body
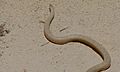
[{"x": 78, "y": 38}]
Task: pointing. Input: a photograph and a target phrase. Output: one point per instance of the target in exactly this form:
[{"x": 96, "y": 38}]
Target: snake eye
[{"x": 50, "y": 9}]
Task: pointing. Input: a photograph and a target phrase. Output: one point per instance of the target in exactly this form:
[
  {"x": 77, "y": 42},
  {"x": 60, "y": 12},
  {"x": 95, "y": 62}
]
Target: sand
[{"x": 23, "y": 47}]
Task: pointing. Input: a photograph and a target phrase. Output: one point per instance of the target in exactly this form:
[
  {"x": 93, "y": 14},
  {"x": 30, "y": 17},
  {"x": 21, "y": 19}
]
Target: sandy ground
[{"x": 24, "y": 47}]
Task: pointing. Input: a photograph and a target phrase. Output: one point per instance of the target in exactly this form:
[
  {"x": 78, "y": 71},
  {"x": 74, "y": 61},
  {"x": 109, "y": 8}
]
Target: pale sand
[{"x": 25, "y": 48}]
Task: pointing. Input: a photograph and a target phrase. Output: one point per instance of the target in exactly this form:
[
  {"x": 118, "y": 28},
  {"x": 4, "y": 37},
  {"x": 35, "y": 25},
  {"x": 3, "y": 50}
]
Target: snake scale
[{"x": 98, "y": 48}]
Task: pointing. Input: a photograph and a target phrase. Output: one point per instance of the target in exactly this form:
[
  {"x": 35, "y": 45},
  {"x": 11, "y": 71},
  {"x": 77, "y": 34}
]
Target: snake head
[{"x": 50, "y": 7}]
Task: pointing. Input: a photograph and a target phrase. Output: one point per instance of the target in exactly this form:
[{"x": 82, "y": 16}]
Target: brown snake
[{"x": 98, "y": 48}]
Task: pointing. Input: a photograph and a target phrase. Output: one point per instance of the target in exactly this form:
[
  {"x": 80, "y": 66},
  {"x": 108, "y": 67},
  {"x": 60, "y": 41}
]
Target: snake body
[{"x": 98, "y": 48}]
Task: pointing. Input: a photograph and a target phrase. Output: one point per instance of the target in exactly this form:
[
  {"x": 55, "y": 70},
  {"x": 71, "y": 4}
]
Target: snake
[{"x": 95, "y": 46}]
